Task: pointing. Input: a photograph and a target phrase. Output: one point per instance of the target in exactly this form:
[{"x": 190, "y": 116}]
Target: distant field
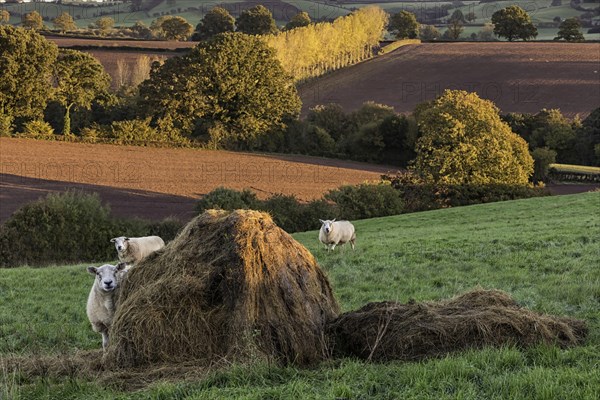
[
  {"x": 544, "y": 252},
  {"x": 156, "y": 182},
  {"x": 582, "y": 169},
  {"x": 517, "y": 77}
]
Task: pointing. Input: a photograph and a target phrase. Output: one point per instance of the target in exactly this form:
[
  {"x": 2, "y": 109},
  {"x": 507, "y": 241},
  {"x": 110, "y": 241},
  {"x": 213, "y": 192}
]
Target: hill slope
[
  {"x": 544, "y": 252},
  {"x": 518, "y": 77}
]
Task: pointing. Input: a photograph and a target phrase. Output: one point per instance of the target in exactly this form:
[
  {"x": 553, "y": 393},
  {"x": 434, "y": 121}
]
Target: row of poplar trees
[{"x": 313, "y": 50}]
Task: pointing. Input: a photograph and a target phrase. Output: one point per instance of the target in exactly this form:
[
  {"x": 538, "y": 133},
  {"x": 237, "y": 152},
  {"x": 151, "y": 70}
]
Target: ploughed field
[
  {"x": 158, "y": 182},
  {"x": 517, "y": 77}
]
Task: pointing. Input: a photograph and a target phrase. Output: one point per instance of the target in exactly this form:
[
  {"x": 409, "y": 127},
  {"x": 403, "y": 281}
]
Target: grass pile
[
  {"x": 480, "y": 318},
  {"x": 231, "y": 286}
]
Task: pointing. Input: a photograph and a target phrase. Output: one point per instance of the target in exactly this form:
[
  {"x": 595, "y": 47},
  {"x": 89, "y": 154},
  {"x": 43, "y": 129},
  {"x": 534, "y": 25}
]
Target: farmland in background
[
  {"x": 193, "y": 11},
  {"x": 157, "y": 182},
  {"x": 517, "y": 77}
]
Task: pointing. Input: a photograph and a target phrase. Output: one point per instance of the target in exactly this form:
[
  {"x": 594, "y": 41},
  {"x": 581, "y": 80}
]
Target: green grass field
[
  {"x": 545, "y": 252},
  {"x": 582, "y": 169}
]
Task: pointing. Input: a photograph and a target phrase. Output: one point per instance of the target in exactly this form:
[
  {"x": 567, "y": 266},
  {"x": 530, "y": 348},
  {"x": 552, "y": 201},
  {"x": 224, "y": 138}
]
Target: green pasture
[{"x": 545, "y": 252}]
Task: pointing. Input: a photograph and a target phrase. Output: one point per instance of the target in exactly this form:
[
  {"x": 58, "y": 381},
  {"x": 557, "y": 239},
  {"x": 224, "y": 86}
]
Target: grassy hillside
[{"x": 545, "y": 252}]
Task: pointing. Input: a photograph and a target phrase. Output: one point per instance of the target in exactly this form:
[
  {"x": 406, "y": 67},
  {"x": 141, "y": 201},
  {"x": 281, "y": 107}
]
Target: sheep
[
  {"x": 335, "y": 232},
  {"x": 133, "y": 250},
  {"x": 101, "y": 301}
]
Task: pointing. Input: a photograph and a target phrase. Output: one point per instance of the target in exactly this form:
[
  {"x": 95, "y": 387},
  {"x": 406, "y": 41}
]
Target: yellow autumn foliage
[{"x": 464, "y": 141}]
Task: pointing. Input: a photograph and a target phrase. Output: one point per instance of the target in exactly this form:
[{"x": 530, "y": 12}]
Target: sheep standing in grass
[
  {"x": 133, "y": 250},
  {"x": 335, "y": 232},
  {"x": 103, "y": 297}
]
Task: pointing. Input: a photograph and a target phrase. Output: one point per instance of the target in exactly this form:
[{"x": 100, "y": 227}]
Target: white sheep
[
  {"x": 335, "y": 232},
  {"x": 103, "y": 297},
  {"x": 133, "y": 250}
]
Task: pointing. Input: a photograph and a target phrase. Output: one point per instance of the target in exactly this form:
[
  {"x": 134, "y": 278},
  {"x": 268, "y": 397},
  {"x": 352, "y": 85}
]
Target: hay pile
[
  {"x": 395, "y": 331},
  {"x": 232, "y": 286}
]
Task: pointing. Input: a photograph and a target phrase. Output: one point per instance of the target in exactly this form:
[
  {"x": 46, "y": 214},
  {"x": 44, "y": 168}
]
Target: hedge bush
[
  {"x": 367, "y": 200},
  {"x": 289, "y": 213},
  {"x": 69, "y": 227},
  {"x": 418, "y": 195}
]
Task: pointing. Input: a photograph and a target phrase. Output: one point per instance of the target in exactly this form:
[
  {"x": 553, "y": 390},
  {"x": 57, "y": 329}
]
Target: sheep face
[
  {"x": 107, "y": 278},
  {"x": 121, "y": 243},
  {"x": 327, "y": 225}
]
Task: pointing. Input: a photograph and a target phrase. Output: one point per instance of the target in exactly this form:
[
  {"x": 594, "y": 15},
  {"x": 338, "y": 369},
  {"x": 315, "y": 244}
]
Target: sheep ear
[
  {"x": 321, "y": 221},
  {"x": 113, "y": 240},
  {"x": 121, "y": 266},
  {"x": 92, "y": 270},
  {"x": 127, "y": 239},
  {"x": 333, "y": 220}
]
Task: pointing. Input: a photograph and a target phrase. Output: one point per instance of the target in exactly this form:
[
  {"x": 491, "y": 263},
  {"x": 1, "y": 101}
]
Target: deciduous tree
[
  {"x": 26, "y": 60},
  {"x": 4, "y": 17},
  {"x": 32, "y": 20},
  {"x": 105, "y": 24},
  {"x": 570, "y": 30},
  {"x": 64, "y": 22},
  {"x": 257, "y": 20},
  {"x": 231, "y": 86},
  {"x": 176, "y": 28},
  {"x": 513, "y": 23},
  {"x": 218, "y": 20},
  {"x": 79, "y": 79},
  {"x": 429, "y": 32},
  {"x": 463, "y": 141},
  {"x": 405, "y": 24},
  {"x": 299, "y": 20}
]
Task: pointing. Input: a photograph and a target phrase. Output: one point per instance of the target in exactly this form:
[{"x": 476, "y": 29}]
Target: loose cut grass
[{"x": 479, "y": 318}]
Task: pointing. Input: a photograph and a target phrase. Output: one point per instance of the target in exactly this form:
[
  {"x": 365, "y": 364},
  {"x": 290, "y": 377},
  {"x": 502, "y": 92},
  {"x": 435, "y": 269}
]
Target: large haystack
[
  {"x": 395, "y": 331},
  {"x": 232, "y": 286}
]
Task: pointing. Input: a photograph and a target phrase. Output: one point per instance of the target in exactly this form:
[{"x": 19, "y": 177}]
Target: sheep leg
[
  {"x": 352, "y": 244},
  {"x": 332, "y": 246},
  {"x": 104, "y": 340}
]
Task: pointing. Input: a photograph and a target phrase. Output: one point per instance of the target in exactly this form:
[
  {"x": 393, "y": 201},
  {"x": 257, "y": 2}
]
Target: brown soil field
[
  {"x": 517, "y": 77},
  {"x": 139, "y": 44},
  {"x": 158, "y": 182}
]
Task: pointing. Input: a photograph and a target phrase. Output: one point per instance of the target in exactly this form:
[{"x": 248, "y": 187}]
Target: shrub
[
  {"x": 420, "y": 195},
  {"x": 70, "y": 227},
  {"x": 38, "y": 129},
  {"x": 367, "y": 200},
  {"x": 287, "y": 212},
  {"x": 306, "y": 138},
  {"x": 6, "y": 125},
  {"x": 167, "y": 229},
  {"x": 365, "y": 143},
  {"x": 542, "y": 158},
  {"x": 330, "y": 117},
  {"x": 227, "y": 199}
]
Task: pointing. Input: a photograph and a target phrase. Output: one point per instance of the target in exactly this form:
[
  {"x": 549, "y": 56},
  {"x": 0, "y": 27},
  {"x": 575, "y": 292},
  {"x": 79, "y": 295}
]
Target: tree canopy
[
  {"x": 26, "y": 60},
  {"x": 64, "y": 22},
  {"x": 570, "y": 30},
  {"x": 257, "y": 20},
  {"x": 32, "y": 20},
  {"x": 218, "y": 20},
  {"x": 228, "y": 89},
  {"x": 405, "y": 24},
  {"x": 513, "y": 23},
  {"x": 4, "y": 17},
  {"x": 299, "y": 20},
  {"x": 79, "y": 79},
  {"x": 176, "y": 28},
  {"x": 464, "y": 141}
]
